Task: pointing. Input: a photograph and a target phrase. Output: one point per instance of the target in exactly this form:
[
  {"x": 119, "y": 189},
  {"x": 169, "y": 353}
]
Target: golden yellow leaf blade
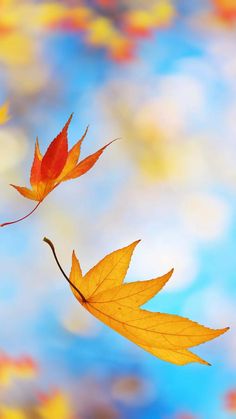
[
  {"x": 132, "y": 294},
  {"x": 153, "y": 329},
  {"x": 177, "y": 331},
  {"x": 109, "y": 272},
  {"x": 175, "y": 356},
  {"x": 76, "y": 276}
]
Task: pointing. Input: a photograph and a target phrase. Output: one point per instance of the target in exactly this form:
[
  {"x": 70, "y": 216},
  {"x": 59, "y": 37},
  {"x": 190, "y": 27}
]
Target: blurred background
[{"x": 161, "y": 75}]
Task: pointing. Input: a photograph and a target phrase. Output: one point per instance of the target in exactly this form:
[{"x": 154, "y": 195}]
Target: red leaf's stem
[
  {"x": 22, "y": 218},
  {"x": 61, "y": 269}
]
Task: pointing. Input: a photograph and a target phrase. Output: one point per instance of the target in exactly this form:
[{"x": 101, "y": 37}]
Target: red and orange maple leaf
[{"x": 56, "y": 166}]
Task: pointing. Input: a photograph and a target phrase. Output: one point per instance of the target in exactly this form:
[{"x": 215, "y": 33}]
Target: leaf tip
[
  {"x": 219, "y": 332},
  {"x": 85, "y": 133},
  {"x": 37, "y": 146},
  {"x": 222, "y": 331},
  {"x": 66, "y": 126},
  {"x": 74, "y": 255},
  {"x": 70, "y": 118},
  {"x": 135, "y": 243},
  {"x": 111, "y": 142},
  {"x": 169, "y": 274}
]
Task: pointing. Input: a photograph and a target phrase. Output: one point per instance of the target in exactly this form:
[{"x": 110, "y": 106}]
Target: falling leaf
[
  {"x": 4, "y": 113},
  {"x": 56, "y": 166},
  {"x": 102, "y": 292}
]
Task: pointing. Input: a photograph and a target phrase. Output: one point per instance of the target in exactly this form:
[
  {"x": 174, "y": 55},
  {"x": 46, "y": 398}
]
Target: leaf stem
[
  {"x": 46, "y": 240},
  {"x": 22, "y": 218}
]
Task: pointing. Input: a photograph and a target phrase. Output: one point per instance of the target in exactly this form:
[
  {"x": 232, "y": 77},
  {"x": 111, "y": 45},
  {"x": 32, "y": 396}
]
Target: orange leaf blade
[
  {"x": 73, "y": 157},
  {"x": 27, "y": 193},
  {"x": 86, "y": 164},
  {"x": 55, "y": 157},
  {"x": 35, "y": 174}
]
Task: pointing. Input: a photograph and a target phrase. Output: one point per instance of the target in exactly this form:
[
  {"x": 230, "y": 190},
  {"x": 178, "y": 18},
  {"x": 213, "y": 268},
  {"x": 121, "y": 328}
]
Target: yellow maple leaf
[
  {"x": 4, "y": 113},
  {"x": 102, "y": 292}
]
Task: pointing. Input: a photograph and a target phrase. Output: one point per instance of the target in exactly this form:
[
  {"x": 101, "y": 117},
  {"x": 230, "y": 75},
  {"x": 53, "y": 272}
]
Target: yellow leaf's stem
[
  {"x": 22, "y": 218},
  {"x": 46, "y": 240}
]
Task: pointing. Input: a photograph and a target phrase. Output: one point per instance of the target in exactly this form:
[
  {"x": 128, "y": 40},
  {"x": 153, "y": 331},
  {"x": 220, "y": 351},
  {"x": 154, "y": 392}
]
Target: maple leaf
[
  {"x": 102, "y": 292},
  {"x": 56, "y": 166},
  {"x": 4, "y": 113}
]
